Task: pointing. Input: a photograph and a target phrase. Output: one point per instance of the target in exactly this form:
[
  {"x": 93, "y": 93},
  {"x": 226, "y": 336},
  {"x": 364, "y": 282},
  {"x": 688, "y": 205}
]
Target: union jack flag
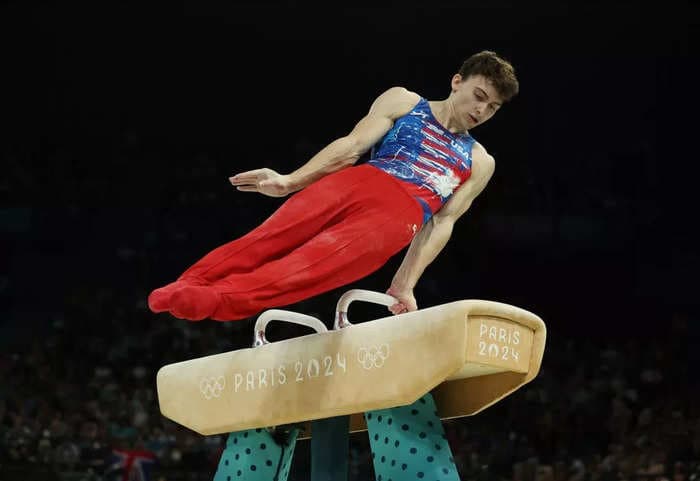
[{"x": 131, "y": 465}]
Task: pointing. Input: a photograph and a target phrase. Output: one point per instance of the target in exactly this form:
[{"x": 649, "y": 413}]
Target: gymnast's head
[{"x": 484, "y": 82}]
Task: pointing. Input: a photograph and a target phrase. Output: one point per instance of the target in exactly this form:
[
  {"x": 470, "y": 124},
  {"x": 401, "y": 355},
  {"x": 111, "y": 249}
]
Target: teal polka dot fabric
[
  {"x": 408, "y": 443},
  {"x": 254, "y": 455}
]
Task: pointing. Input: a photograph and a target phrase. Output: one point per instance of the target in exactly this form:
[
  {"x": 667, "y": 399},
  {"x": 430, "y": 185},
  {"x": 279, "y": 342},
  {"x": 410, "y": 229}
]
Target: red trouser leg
[
  {"x": 352, "y": 223},
  {"x": 297, "y": 220}
]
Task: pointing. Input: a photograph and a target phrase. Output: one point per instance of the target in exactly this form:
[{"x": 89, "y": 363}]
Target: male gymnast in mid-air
[{"x": 345, "y": 221}]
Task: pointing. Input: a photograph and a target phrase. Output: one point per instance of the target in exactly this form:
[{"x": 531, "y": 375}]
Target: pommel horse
[{"x": 396, "y": 377}]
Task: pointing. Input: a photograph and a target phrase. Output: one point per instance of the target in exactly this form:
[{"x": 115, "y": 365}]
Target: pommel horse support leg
[{"x": 465, "y": 355}]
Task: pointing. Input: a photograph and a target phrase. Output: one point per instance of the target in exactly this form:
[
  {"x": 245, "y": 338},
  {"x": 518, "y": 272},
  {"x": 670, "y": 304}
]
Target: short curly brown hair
[{"x": 495, "y": 68}]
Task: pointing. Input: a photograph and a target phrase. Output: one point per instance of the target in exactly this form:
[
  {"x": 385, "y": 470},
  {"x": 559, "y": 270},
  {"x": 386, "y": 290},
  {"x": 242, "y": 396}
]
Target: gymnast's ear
[{"x": 457, "y": 80}]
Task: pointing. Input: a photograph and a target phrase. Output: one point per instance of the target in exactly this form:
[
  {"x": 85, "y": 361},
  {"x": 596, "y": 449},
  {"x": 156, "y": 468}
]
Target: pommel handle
[
  {"x": 341, "y": 310},
  {"x": 287, "y": 316}
]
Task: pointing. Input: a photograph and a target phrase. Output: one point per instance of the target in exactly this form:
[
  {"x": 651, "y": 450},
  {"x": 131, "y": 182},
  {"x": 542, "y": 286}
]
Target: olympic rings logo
[
  {"x": 212, "y": 387},
  {"x": 373, "y": 356}
]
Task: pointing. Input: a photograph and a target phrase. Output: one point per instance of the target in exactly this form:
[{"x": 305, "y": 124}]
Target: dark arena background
[{"x": 122, "y": 122}]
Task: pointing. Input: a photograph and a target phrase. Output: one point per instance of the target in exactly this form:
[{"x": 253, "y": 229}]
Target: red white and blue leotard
[{"x": 429, "y": 160}]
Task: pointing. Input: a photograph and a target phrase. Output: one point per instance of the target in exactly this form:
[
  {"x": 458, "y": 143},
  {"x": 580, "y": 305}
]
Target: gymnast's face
[{"x": 475, "y": 100}]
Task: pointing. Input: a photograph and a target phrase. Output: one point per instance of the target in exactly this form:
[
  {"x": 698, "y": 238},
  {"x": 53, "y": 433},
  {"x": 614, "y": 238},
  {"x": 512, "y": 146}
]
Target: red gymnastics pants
[{"x": 339, "y": 229}]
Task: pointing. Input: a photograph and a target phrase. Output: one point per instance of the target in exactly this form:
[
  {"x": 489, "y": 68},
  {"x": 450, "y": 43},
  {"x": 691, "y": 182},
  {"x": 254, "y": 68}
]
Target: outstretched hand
[
  {"x": 407, "y": 301},
  {"x": 265, "y": 181}
]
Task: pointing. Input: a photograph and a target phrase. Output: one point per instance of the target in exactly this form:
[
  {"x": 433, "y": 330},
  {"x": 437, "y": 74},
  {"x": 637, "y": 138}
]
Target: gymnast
[{"x": 345, "y": 221}]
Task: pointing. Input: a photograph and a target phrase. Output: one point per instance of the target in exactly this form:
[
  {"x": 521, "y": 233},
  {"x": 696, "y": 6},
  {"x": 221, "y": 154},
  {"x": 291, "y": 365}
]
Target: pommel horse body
[{"x": 453, "y": 360}]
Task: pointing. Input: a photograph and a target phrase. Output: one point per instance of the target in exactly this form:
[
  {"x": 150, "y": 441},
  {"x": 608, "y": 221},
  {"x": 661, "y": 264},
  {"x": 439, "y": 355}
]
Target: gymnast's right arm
[{"x": 341, "y": 153}]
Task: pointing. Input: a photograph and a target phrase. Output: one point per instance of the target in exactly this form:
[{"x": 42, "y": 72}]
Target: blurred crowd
[{"x": 77, "y": 394}]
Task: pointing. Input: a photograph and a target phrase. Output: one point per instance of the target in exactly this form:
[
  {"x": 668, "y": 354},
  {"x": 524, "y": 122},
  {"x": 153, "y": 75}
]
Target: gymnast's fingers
[
  {"x": 247, "y": 177},
  {"x": 397, "y": 308},
  {"x": 242, "y": 180},
  {"x": 247, "y": 188}
]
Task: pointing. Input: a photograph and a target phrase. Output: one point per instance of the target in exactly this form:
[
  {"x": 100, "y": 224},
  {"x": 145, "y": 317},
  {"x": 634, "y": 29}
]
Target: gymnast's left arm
[{"x": 433, "y": 237}]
